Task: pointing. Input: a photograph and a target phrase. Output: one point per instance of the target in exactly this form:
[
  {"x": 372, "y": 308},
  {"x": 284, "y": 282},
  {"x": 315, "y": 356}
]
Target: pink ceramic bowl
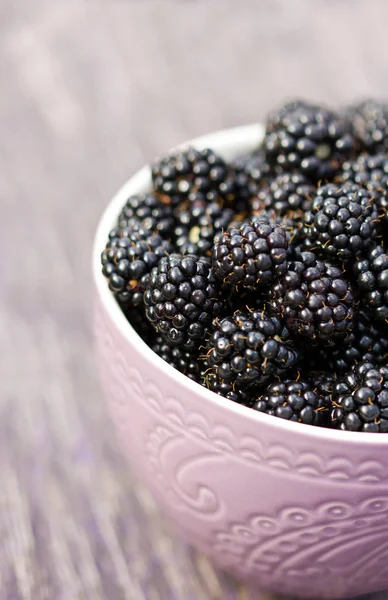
[{"x": 294, "y": 508}]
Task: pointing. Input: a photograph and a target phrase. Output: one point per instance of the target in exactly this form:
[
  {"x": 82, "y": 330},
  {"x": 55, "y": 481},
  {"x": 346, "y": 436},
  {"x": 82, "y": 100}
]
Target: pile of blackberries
[{"x": 266, "y": 279}]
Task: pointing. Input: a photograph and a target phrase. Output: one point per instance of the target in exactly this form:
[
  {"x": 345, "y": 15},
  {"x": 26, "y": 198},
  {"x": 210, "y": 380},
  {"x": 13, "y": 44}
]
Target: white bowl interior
[{"x": 229, "y": 143}]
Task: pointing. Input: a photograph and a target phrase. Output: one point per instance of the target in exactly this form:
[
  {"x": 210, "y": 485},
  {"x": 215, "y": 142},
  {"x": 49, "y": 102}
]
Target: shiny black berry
[
  {"x": 308, "y": 139},
  {"x": 251, "y": 256},
  {"x": 372, "y": 279},
  {"x": 370, "y": 124},
  {"x": 181, "y": 299}
]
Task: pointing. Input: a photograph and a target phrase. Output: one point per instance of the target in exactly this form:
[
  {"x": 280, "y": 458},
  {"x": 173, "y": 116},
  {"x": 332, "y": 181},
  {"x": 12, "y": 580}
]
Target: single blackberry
[
  {"x": 370, "y": 124},
  {"x": 285, "y": 194},
  {"x": 249, "y": 347},
  {"x": 315, "y": 299},
  {"x": 367, "y": 343},
  {"x": 372, "y": 280},
  {"x": 252, "y": 256},
  {"x": 185, "y": 362},
  {"x": 360, "y": 400},
  {"x": 181, "y": 299},
  {"x": 153, "y": 214},
  {"x": 186, "y": 171},
  {"x": 127, "y": 260},
  {"x": 370, "y": 171},
  {"x": 309, "y": 139},
  {"x": 293, "y": 400},
  {"x": 251, "y": 172},
  {"x": 342, "y": 223},
  {"x": 198, "y": 224}
]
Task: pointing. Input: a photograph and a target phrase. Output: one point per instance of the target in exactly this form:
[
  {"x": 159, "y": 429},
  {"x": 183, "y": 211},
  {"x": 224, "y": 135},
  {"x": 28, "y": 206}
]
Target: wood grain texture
[{"x": 90, "y": 91}]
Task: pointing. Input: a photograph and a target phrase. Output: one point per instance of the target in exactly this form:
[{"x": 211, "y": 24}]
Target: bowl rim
[{"x": 225, "y": 142}]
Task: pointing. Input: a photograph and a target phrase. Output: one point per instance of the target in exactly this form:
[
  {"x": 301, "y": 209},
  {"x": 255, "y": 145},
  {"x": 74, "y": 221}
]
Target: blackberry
[
  {"x": 251, "y": 171},
  {"x": 293, "y": 400},
  {"x": 342, "y": 223},
  {"x": 315, "y": 299},
  {"x": 198, "y": 224},
  {"x": 370, "y": 124},
  {"x": 309, "y": 139},
  {"x": 372, "y": 173},
  {"x": 181, "y": 299},
  {"x": 153, "y": 214},
  {"x": 285, "y": 194},
  {"x": 186, "y": 171},
  {"x": 360, "y": 400},
  {"x": 291, "y": 224},
  {"x": 127, "y": 260},
  {"x": 248, "y": 348},
  {"x": 185, "y": 362},
  {"x": 372, "y": 279},
  {"x": 276, "y": 118},
  {"x": 252, "y": 256}
]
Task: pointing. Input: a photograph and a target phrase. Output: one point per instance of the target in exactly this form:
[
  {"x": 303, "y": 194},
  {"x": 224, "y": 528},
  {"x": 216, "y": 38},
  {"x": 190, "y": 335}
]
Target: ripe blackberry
[
  {"x": 322, "y": 382},
  {"x": 342, "y": 223},
  {"x": 293, "y": 400},
  {"x": 315, "y": 299},
  {"x": 252, "y": 256},
  {"x": 185, "y": 362},
  {"x": 186, "y": 171},
  {"x": 249, "y": 347},
  {"x": 181, "y": 299},
  {"x": 309, "y": 139},
  {"x": 198, "y": 224},
  {"x": 372, "y": 173},
  {"x": 251, "y": 172},
  {"x": 370, "y": 124},
  {"x": 276, "y": 118},
  {"x": 127, "y": 260},
  {"x": 360, "y": 400},
  {"x": 291, "y": 224},
  {"x": 285, "y": 194},
  {"x": 372, "y": 279},
  {"x": 153, "y": 214}
]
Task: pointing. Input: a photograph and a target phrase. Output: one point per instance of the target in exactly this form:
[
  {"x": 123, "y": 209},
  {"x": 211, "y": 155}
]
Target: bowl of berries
[{"x": 241, "y": 327}]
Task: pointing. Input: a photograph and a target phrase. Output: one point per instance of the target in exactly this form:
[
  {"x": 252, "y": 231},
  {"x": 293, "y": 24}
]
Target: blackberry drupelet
[
  {"x": 181, "y": 299},
  {"x": 185, "y": 362},
  {"x": 250, "y": 347},
  {"x": 343, "y": 221},
  {"x": 360, "y": 400},
  {"x": 308, "y": 139},
  {"x": 372, "y": 279},
  {"x": 370, "y": 171},
  {"x": 293, "y": 400},
  {"x": 127, "y": 260},
  {"x": 178, "y": 175},
  {"x": 315, "y": 300},
  {"x": 370, "y": 124},
  {"x": 251, "y": 256},
  {"x": 154, "y": 215},
  {"x": 198, "y": 224},
  {"x": 285, "y": 194}
]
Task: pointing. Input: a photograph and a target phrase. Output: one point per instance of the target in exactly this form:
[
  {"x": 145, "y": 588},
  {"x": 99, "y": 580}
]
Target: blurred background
[{"x": 90, "y": 91}]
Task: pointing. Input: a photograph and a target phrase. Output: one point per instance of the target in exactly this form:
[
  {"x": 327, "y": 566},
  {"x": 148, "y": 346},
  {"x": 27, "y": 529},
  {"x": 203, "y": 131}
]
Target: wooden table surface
[{"x": 90, "y": 91}]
